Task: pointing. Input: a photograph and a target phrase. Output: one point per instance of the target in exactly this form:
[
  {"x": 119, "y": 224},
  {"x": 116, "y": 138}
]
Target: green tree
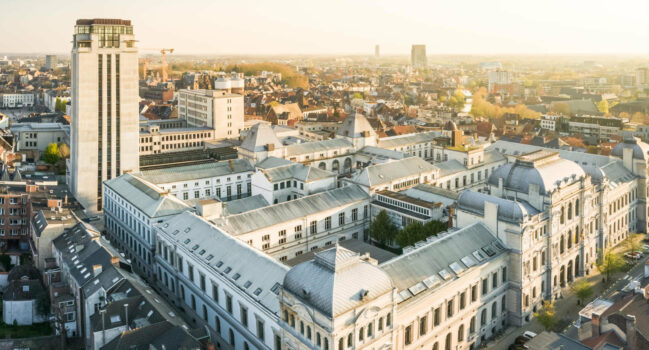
[
  {"x": 610, "y": 263},
  {"x": 51, "y": 155},
  {"x": 560, "y": 108},
  {"x": 410, "y": 234},
  {"x": 382, "y": 229},
  {"x": 632, "y": 243},
  {"x": 602, "y": 106},
  {"x": 547, "y": 316},
  {"x": 582, "y": 289}
]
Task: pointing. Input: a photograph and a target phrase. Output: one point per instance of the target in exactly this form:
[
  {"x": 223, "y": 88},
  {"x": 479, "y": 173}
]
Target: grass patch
[{"x": 35, "y": 330}]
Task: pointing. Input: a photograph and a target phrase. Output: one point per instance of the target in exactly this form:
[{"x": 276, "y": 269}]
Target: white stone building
[
  {"x": 18, "y": 100},
  {"x": 220, "y": 111}
]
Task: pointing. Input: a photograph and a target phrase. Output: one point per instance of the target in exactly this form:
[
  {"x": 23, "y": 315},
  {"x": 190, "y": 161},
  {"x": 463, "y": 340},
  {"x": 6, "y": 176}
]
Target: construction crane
[{"x": 163, "y": 53}]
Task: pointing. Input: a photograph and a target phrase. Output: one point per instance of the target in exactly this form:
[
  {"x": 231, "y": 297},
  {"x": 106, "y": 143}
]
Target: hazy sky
[{"x": 340, "y": 26}]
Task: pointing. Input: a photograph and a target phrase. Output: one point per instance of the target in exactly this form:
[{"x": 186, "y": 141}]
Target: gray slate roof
[
  {"x": 354, "y": 126},
  {"x": 408, "y": 140},
  {"x": 196, "y": 171},
  {"x": 145, "y": 196},
  {"x": 243, "y": 205},
  {"x": 335, "y": 280},
  {"x": 274, "y": 214},
  {"x": 318, "y": 146},
  {"x": 419, "y": 269},
  {"x": 225, "y": 251},
  {"x": 384, "y": 173},
  {"x": 259, "y": 136},
  {"x": 508, "y": 210},
  {"x": 279, "y": 171}
]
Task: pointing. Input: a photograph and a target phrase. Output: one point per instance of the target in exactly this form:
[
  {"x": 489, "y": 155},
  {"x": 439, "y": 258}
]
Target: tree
[
  {"x": 64, "y": 151},
  {"x": 582, "y": 289},
  {"x": 547, "y": 316},
  {"x": 632, "y": 244},
  {"x": 382, "y": 229},
  {"x": 592, "y": 150},
  {"x": 51, "y": 155},
  {"x": 610, "y": 263},
  {"x": 602, "y": 106},
  {"x": 560, "y": 108},
  {"x": 410, "y": 234}
]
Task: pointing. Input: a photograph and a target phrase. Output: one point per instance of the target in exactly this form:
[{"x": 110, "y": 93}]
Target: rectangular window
[
  {"x": 436, "y": 317},
  {"x": 341, "y": 218},
  {"x": 260, "y": 329},
  {"x": 494, "y": 281},
  {"x": 408, "y": 335},
  {"x": 423, "y": 325},
  {"x": 190, "y": 272},
  {"x": 314, "y": 227},
  {"x": 354, "y": 214},
  {"x": 201, "y": 277},
  {"x": 228, "y": 303},
  {"x": 504, "y": 273},
  {"x": 449, "y": 309},
  {"x": 215, "y": 293},
  {"x": 485, "y": 286},
  {"x": 474, "y": 293},
  {"x": 328, "y": 223},
  {"x": 462, "y": 300},
  {"x": 244, "y": 315}
]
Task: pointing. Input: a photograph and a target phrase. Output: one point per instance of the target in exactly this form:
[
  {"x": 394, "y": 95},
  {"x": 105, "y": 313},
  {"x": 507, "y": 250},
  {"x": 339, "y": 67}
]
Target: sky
[{"x": 334, "y": 27}]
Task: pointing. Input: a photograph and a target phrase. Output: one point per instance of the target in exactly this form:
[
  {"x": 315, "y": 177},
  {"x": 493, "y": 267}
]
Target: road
[{"x": 567, "y": 308}]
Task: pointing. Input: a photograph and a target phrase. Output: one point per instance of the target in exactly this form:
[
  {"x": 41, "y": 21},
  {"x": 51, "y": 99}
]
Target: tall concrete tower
[
  {"x": 418, "y": 56},
  {"x": 105, "y": 128}
]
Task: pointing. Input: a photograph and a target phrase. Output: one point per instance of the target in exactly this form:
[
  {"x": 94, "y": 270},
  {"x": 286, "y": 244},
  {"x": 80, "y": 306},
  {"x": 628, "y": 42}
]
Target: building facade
[{"x": 104, "y": 131}]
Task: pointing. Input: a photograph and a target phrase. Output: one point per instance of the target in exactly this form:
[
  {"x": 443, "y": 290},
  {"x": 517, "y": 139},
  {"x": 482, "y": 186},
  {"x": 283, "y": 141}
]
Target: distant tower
[
  {"x": 377, "y": 51},
  {"x": 105, "y": 112},
  {"x": 418, "y": 56},
  {"x": 50, "y": 61}
]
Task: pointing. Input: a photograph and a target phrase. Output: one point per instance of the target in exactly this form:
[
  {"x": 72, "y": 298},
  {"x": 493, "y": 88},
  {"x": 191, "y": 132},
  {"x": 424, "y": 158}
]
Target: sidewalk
[{"x": 566, "y": 307}]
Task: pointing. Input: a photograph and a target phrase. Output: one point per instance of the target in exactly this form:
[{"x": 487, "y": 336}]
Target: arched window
[
  {"x": 326, "y": 347},
  {"x": 483, "y": 317},
  {"x": 308, "y": 332},
  {"x": 448, "y": 344},
  {"x": 370, "y": 329},
  {"x": 340, "y": 344},
  {"x": 472, "y": 325},
  {"x": 318, "y": 339},
  {"x": 577, "y": 207},
  {"x": 193, "y": 302},
  {"x": 286, "y": 316},
  {"x": 245, "y": 345},
  {"x": 460, "y": 333},
  {"x": 436, "y": 345},
  {"x": 561, "y": 218},
  {"x": 569, "y": 211},
  {"x": 503, "y": 305},
  {"x": 494, "y": 310},
  {"x": 231, "y": 337},
  {"x": 217, "y": 324},
  {"x": 361, "y": 334},
  {"x": 562, "y": 244},
  {"x": 350, "y": 340},
  {"x": 570, "y": 239},
  {"x": 204, "y": 312}
]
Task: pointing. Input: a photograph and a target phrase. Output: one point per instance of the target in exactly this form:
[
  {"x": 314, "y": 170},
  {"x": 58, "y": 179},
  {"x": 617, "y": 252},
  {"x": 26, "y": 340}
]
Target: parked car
[
  {"x": 529, "y": 334},
  {"x": 633, "y": 256}
]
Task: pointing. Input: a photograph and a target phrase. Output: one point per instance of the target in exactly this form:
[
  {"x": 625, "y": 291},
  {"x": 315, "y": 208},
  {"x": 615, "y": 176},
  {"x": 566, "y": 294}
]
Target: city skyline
[{"x": 505, "y": 27}]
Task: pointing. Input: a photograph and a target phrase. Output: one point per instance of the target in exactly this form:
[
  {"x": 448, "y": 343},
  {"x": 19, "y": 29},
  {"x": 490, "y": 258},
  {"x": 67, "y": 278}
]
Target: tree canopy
[
  {"x": 610, "y": 263},
  {"x": 51, "y": 154},
  {"x": 382, "y": 229},
  {"x": 547, "y": 316},
  {"x": 582, "y": 289},
  {"x": 481, "y": 107}
]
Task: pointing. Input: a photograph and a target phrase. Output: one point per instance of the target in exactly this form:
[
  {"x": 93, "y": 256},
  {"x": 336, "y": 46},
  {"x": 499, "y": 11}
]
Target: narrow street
[{"x": 567, "y": 308}]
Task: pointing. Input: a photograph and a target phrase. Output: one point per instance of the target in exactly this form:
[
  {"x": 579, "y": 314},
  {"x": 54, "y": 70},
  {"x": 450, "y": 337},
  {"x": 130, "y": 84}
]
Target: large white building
[
  {"x": 16, "y": 100},
  {"x": 219, "y": 111},
  {"x": 104, "y": 131}
]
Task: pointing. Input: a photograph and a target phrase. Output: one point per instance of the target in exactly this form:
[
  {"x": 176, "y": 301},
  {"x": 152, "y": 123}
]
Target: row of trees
[
  {"x": 385, "y": 232},
  {"x": 480, "y": 107},
  {"x": 59, "y": 105}
]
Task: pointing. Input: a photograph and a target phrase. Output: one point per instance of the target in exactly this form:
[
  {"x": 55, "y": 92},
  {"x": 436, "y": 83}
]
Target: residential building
[
  {"x": 17, "y": 100},
  {"x": 50, "y": 61},
  {"x": 37, "y": 136},
  {"x": 105, "y": 118}
]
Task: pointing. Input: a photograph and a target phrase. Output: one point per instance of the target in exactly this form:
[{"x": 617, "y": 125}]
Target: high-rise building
[
  {"x": 642, "y": 76},
  {"x": 377, "y": 51},
  {"x": 218, "y": 111},
  {"x": 50, "y": 61},
  {"x": 418, "y": 56},
  {"x": 499, "y": 80},
  {"x": 105, "y": 112}
]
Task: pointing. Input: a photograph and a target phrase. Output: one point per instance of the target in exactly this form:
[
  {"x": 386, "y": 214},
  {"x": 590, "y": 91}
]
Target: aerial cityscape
[{"x": 330, "y": 176}]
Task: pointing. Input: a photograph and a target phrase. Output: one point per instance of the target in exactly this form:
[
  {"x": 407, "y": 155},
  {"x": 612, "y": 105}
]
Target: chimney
[
  {"x": 114, "y": 260},
  {"x": 96, "y": 270},
  {"x": 451, "y": 211},
  {"x": 54, "y": 203},
  {"x": 630, "y": 332},
  {"x": 209, "y": 346},
  {"x": 209, "y": 208},
  {"x": 126, "y": 315},
  {"x": 594, "y": 320}
]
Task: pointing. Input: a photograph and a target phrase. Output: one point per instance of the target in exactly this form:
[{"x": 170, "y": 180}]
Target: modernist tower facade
[{"x": 104, "y": 107}]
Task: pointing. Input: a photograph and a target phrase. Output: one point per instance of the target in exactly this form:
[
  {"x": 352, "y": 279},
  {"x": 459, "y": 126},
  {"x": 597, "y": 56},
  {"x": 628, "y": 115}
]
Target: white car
[{"x": 529, "y": 334}]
